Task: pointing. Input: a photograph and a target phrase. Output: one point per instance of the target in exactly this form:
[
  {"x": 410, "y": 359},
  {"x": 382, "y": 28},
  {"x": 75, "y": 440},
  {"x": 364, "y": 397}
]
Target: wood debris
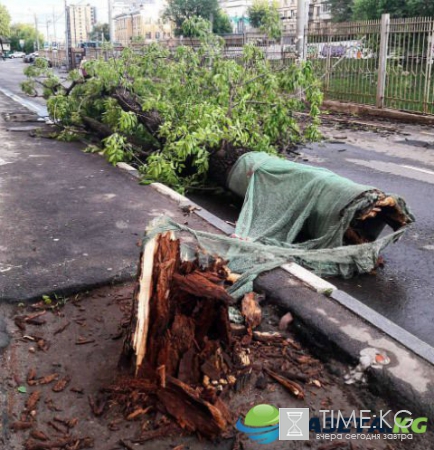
[
  {"x": 251, "y": 311},
  {"x": 180, "y": 329},
  {"x": 20, "y": 425},
  {"x": 294, "y": 388},
  {"x": 39, "y": 435},
  {"x": 181, "y": 355},
  {"x": 73, "y": 443},
  {"x": 385, "y": 210},
  {"x": 61, "y": 384},
  {"x": 33, "y": 400},
  {"x": 32, "y": 381}
]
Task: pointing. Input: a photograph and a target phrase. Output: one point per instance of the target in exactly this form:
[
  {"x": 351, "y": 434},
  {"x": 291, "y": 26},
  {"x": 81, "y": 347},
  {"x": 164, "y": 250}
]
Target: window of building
[
  {"x": 148, "y": 35},
  {"x": 157, "y": 35}
]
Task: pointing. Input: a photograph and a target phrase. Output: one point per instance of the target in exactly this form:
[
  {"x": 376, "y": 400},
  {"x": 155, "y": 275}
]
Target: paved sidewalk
[{"x": 69, "y": 220}]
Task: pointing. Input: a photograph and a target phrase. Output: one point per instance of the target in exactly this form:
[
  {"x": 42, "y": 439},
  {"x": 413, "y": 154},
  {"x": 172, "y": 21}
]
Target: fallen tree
[
  {"x": 188, "y": 115},
  {"x": 184, "y": 106}
]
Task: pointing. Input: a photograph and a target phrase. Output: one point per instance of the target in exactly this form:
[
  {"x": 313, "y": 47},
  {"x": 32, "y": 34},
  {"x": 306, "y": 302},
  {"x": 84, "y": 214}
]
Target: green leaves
[
  {"x": 203, "y": 98},
  {"x": 116, "y": 149},
  {"x": 127, "y": 122}
]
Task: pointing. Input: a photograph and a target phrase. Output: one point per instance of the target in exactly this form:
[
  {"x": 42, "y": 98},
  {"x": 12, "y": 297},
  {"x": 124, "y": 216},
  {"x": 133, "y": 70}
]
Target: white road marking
[
  {"x": 414, "y": 173},
  {"x": 418, "y": 169},
  {"x": 40, "y": 110}
]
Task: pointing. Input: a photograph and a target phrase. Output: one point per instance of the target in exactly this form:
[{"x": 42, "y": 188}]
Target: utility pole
[
  {"x": 48, "y": 21},
  {"x": 37, "y": 32},
  {"x": 67, "y": 25},
  {"x": 54, "y": 27},
  {"x": 302, "y": 20},
  {"x": 111, "y": 23}
]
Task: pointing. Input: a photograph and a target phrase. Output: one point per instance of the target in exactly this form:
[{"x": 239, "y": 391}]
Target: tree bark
[{"x": 150, "y": 119}]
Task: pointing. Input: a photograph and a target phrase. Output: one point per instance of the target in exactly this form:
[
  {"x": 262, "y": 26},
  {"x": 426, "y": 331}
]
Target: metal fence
[{"x": 386, "y": 63}]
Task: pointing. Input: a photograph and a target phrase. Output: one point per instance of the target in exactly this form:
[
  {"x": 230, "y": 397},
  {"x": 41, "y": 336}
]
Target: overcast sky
[{"x": 24, "y": 11}]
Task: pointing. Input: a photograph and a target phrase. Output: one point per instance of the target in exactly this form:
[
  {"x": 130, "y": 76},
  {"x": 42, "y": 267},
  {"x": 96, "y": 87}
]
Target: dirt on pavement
[{"x": 63, "y": 356}]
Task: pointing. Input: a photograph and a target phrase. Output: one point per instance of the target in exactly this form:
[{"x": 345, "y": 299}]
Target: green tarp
[{"x": 283, "y": 199}]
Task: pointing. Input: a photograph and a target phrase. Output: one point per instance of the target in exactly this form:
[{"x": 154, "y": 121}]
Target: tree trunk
[
  {"x": 150, "y": 119},
  {"x": 222, "y": 161},
  {"x": 179, "y": 335}
]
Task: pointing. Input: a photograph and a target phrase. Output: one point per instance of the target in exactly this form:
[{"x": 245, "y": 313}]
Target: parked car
[
  {"x": 30, "y": 57},
  {"x": 43, "y": 58},
  {"x": 17, "y": 55}
]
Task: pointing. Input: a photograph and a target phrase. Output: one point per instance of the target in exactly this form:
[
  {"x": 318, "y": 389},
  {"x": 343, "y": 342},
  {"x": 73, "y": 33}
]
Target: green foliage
[
  {"x": 196, "y": 27},
  {"x": 222, "y": 24},
  {"x": 100, "y": 31},
  {"x": 265, "y": 16},
  {"x": 204, "y": 100},
  {"x": 178, "y": 11},
  {"x": 116, "y": 149},
  {"x": 28, "y": 34},
  {"x": 344, "y": 10},
  {"x": 5, "y": 20},
  {"x": 341, "y": 10}
]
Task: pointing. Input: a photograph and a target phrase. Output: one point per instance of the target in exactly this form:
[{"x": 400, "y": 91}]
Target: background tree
[
  {"x": 27, "y": 33},
  {"x": 266, "y": 17},
  {"x": 178, "y": 11},
  {"x": 222, "y": 24},
  {"x": 196, "y": 27},
  {"x": 341, "y": 10},
  {"x": 100, "y": 30},
  {"x": 5, "y": 20},
  {"x": 344, "y": 10}
]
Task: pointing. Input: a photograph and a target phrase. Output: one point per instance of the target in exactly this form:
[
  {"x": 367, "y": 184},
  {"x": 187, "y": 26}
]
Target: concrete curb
[
  {"x": 338, "y": 332},
  {"x": 372, "y": 111}
]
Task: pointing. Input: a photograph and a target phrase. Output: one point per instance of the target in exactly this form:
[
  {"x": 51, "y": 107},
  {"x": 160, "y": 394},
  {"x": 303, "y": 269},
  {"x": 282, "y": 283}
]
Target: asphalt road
[
  {"x": 403, "y": 290},
  {"x": 401, "y": 162}
]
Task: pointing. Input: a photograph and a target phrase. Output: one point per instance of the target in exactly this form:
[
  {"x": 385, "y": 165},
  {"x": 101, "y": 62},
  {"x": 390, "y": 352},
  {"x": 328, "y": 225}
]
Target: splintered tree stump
[{"x": 180, "y": 333}]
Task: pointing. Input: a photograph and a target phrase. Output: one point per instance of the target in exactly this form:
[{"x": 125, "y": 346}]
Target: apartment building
[
  {"x": 142, "y": 23},
  {"x": 81, "y": 19},
  {"x": 318, "y": 10},
  {"x": 237, "y": 11}
]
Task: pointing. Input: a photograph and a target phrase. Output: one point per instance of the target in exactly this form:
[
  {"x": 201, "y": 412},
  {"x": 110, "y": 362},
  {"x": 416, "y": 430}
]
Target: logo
[
  {"x": 266, "y": 424},
  {"x": 261, "y": 424},
  {"x": 294, "y": 424}
]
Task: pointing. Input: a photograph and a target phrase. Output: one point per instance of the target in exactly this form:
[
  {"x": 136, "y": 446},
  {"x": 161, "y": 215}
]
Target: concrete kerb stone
[{"x": 336, "y": 331}]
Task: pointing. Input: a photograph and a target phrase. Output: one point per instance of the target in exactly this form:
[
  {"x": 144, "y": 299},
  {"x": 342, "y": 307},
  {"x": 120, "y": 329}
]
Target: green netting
[
  {"x": 252, "y": 258},
  {"x": 282, "y": 200}
]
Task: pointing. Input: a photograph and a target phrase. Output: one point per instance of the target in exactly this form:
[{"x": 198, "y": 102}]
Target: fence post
[
  {"x": 428, "y": 71},
  {"x": 382, "y": 60}
]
